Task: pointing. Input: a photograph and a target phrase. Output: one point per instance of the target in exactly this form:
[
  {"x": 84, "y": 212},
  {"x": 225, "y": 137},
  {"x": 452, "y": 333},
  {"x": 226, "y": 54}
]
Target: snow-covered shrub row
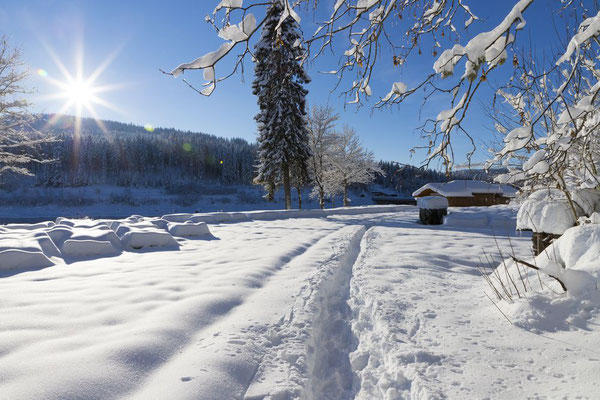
[{"x": 41, "y": 245}]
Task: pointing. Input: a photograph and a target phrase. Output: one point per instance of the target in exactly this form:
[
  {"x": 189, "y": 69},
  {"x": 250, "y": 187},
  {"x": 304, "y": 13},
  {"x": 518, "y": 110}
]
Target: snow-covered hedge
[{"x": 546, "y": 210}]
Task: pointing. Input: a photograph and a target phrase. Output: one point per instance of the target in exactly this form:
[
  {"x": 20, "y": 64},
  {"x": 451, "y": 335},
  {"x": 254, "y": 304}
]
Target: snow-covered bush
[
  {"x": 547, "y": 210},
  {"x": 559, "y": 289}
]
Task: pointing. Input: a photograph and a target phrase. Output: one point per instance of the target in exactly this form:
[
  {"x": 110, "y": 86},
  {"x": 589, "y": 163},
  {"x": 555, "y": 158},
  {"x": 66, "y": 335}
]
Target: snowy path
[
  {"x": 426, "y": 329},
  {"x": 349, "y": 306}
]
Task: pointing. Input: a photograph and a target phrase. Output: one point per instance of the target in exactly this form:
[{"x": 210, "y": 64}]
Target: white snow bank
[
  {"x": 139, "y": 235},
  {"x": 546, "y": 210},
  {"x": 28, "y": 227},
  {"x": 432, "y": 202},
  {"x": 537, "y": 302},
  {"x": 269, "y": 215},
  {"x": 25, "y": 248},
  {"x": 84, "y": 238},
  {"x": 499, "y": 218},
  {"x": 574, "y": 258},
  {"x": 88, "y": 248},
  {"x": 19, "y": 259},
  {"x": 188, "y": 229}
]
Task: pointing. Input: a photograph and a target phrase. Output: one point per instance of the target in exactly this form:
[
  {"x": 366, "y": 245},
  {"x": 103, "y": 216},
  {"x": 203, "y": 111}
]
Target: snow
[
  {"x": 587, "y": 30},
  {"x": 398, "y": 89},
  {"x": 228, "y": 4},
  {"x": 238, "y": 33},
  {"x": 365, "y": 304},
  {"x": 19, "y": 259},
  {"x": 546, "y": 210},
  {"x": 486, "y": 46},
  {"x": 189, "y": 229},
  {"x": 572, "y": 259},
  {"x": 206, "y": 61},
  {"x": 432, "y": 202},
  {"x": 464, "y": 188},
  {"x": 88, "y": 248},
  {"x": 138, "y": 235}
]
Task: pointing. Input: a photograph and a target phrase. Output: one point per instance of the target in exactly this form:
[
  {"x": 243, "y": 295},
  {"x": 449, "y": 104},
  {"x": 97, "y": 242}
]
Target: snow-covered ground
[
  {"x": 33, "y": 204},
  {"x": 363, "y": 304}
]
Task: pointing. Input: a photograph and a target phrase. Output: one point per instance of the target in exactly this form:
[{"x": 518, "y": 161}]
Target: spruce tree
[{"x": 283, "y": 135}]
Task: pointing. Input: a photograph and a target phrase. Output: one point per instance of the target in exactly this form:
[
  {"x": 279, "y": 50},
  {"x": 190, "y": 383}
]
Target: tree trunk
[
  {"x": 299, "y": 197},
  {"x": 270, "y": 191},
  {"x": 321, "y": 198},
  {"x": 286, "y": 186},
  {"x": 345, "y": 194}
]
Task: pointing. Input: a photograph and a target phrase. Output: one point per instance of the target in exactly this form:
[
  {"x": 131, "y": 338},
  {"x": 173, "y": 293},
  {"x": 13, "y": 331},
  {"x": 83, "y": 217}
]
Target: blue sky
[{"x": 141, "y": 36}]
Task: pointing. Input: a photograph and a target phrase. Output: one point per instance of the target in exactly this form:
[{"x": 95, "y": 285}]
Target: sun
[{"x": 79, "y": 93}]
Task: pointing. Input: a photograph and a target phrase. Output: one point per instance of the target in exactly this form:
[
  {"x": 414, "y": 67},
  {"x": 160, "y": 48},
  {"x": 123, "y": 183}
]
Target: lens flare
[
  {"x": 187, "y": 147},
  {"x": 79, "y": 91},
  {"x": 149, "y": 128}
]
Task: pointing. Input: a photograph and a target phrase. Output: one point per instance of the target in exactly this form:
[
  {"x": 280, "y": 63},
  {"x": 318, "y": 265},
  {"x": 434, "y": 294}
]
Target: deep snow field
[{"x": 361, "y": 303}]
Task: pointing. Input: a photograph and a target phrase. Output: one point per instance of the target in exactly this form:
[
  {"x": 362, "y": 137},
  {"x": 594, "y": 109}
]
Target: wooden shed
[{"x": 464, "y": 193}]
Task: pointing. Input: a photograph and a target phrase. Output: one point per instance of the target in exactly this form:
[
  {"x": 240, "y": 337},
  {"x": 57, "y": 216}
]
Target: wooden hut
[{"x": 463, "y": 193}]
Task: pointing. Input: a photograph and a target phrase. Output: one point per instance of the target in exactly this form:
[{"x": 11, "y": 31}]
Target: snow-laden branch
[{"x": 373, "y": 33}]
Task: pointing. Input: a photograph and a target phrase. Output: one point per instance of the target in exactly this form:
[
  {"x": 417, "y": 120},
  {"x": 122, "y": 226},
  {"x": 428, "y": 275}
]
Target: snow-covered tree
[
  {"x": 348, "y": 163},
  {"x": 278, "y": 84},
  {"x": 19, "y": 143},
  {"x": 366, "y": 31},
  {"x": 321, "y": 129}
]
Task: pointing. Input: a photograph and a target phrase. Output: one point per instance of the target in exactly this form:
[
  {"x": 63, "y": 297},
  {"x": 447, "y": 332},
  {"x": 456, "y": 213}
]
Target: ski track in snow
[{"x": 349, "y": 306}]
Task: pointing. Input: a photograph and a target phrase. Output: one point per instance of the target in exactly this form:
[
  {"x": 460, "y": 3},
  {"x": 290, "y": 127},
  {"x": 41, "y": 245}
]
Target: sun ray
[
  {"x": 81, "y": 93},
  {"x": 105, "y": 64}
]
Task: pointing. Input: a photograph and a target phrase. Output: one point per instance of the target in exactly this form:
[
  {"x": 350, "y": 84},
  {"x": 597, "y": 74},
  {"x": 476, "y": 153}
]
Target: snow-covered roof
[{"x": 465, "y": 188}]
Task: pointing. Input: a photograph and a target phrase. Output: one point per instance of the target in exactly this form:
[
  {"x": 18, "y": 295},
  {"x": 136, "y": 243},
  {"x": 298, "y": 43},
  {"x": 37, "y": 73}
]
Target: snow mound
[
  {"x": 20, "y": 259},
  {"x": 573, "y": 260},
  {"x": 84, "y": 238},
  {"x": 88, "y": 248},
  {"x": 432, "y": 202},
  {"x": 140, "y": 235},
  {"x": 546, "y": 210},
  {"x": 188, "y": 229},
  {"x": 29, "y": 227},
  {"x": 25, "y": 249}
]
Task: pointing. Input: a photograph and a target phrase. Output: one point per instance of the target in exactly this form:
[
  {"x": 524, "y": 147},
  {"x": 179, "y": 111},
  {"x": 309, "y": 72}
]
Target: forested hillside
[
  {"x": 135, "y": 156},
  {"x": 132, "y": 155}
]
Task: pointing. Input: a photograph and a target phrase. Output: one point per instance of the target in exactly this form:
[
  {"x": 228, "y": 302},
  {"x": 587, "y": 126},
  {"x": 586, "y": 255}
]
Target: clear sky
[{"x": 134, "y": 38}]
